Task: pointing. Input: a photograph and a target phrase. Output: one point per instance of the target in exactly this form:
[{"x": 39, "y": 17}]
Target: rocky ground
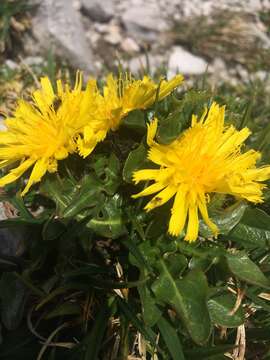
[{"x": 230, "y": 38}]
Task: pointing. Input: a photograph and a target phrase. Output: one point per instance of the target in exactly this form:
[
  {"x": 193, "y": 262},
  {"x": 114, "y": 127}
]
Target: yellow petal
[
  {"x": 235, "y": 140},
  {"x": 167, "y": 87},
  {"x": 47, "y": 88},
  {"x": 38, "y": 171},
  {"x": 61, "y": 153},
  {"x": 204, "y": 213},
  {"x": 179, "y": 212},
  {"x": 261, "y": 174},
  {"x": 147, "y": 174},
  {"x": 151, "y": 131},
  {"x": 193, "y": 224},
  {"x": 14, "y": 174},
  {"x": 149, "y": 190},
  {"x": 161, "y": 198}
]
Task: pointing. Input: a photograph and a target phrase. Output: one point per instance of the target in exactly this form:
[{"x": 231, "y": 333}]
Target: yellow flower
[
  {"x": 204, "y": 159},
  {"x": 95, "y": 127},
  {"x": 40, "y": 134},
  {"x": 119, "y": 97}
]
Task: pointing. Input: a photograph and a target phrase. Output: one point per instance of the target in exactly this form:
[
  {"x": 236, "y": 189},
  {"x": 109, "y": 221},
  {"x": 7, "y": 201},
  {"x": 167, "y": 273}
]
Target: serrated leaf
[
  {"x": 225, "y": 221},
  {"x": 135, "y": 161},
  {"x": 72, "y": 198},
  {"x": 110, "y": 221},
  {"x": 188, "y": 298},
  {"x": 87, "y": 196},
  {"x": 107, "y": 170},
  {"x": 135, "y": 121},
  {"x": 253, "y": 231},
  {"x": 169, "y": 128},
  {"x": 219, "y": 309},
  {"x": 60, "y": 191},
  {"x": 246, "y": 270}
]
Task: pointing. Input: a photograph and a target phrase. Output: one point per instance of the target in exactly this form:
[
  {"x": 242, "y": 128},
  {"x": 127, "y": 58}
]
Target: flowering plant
[{"x": 106, "y": 273}]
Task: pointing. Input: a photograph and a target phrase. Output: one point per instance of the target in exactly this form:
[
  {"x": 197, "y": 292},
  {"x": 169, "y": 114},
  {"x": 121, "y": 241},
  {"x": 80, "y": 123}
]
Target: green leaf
[
  {"x": 52, "y": 230},
  {"x": 110, "y": 220},
  {"x": 188, "y": 298},
  {"x": 64, "y": 309},
  {"x": 87, "y": 196},
  {"x": 60, "y": 191},
  {"x": 93, "y": 341},
  {"x": 171, "y": 339},
  {"x": 200, "y": 263},
  {"x": 150, "y": 254},
  {"x": 176, "y": 263},
  {"x": 135, "y": 160},
  {"x": 144, "y": 257},
  {"x": 107, "y": 170},
  {"x": 135, "y": 121},
  {"x": 150, "y": 311},
  {"x": 18, "y": 221},
  {"x": 136, "y": 256},
  {"x": 72, "y": 198},
  {"x": 225, "y": 221},
  {"x": 18, "y": 203},
  {"x": 169, "y": 128},
  {"x": 219, "y": 309},
  {"x": 263, "y": 304},
  {"x": 129, "y": 314},
  {"x": 208, "y": 353},
  {"x": 253, "y": 231},
  {"x": 13, "y": 296},
  {"x": 246, "y": 270}
]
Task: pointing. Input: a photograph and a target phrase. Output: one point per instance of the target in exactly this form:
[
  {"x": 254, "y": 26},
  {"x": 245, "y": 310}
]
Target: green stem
[
  {"x": 124, "y": 347},
  {"x": 33, "y": 288}
]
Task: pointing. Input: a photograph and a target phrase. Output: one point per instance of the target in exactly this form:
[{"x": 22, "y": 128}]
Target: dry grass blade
[
  {"x": 239, "y": 352},
  {"x": 240, "y": 295},
  {"x": 48, "y": 341}
]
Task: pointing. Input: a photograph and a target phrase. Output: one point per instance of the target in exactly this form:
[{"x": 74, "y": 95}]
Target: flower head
[
  {"x": 43, "y": 132},
  {"x": 204, "y": 159},
  {"x": 125, "y": 94},
  {"x": 119, "y": 97}
]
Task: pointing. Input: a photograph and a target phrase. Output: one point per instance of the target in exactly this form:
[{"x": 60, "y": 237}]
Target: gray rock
[
  {"x": 184, "y": 62},
  {"x": 113, "y": 38},
  {"x": 144, "y": 19},
  {"x": 129, "y": 45},
  {"x": 113, "y": 34},
  {"x": 11, "y": 64},
  {"x": 98, "y": 10},
  {"x": 57, "y": 25},
  {"x": 33, "y": 60}
]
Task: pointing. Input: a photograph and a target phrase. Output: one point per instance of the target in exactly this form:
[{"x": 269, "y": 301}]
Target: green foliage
[
  {"x": 100, "y": 278},
  {"x": 9, "y": 9}
]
